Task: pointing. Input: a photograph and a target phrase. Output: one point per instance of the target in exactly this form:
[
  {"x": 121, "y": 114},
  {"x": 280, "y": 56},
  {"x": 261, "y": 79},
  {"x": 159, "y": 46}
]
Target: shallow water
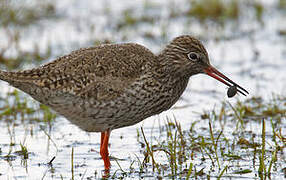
[{"x": 252, "y": 54}]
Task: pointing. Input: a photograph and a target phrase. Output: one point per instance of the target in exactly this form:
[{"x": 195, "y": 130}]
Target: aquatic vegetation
[
  {"x": 14, "y": 18},
  {"x": 214, "y": 9},
  {"x": 221, "y": 11},
  {"x": 13, "y": 13},
  {"x": 222, "y": 152},
  {"x": 15, "y": 107}
]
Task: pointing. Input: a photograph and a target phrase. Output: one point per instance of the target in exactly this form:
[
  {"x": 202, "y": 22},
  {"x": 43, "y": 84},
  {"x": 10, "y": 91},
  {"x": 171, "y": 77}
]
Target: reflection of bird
[{"x": 112, "y": 86}]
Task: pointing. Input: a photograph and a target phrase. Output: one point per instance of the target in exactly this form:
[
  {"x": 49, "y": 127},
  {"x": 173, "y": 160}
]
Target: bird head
[{"x": 188, "y": 55}]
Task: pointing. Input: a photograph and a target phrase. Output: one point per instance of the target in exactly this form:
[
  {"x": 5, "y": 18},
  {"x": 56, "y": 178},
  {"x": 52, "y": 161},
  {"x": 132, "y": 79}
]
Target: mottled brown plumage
[{"x": 112, "y": 86}]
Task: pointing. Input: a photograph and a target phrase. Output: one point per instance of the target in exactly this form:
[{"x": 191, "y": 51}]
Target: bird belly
[
  {"x": 129, "y": 109},
  {"x": 92, "y": 115}
]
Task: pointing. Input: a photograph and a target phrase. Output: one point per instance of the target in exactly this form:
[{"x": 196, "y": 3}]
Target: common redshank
[{"x": 111, "y": 86}]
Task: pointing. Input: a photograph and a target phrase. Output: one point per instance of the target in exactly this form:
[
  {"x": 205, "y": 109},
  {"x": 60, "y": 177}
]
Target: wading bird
[{"x": 111, "y": 86}]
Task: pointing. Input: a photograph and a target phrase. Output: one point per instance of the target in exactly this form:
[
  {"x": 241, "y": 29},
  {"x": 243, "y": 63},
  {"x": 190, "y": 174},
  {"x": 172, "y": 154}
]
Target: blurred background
[{"x": 246, "y": 40}]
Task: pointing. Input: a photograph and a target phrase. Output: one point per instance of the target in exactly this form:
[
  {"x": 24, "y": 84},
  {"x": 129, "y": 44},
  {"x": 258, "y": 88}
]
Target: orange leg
[{"x": 104, "y": 149}]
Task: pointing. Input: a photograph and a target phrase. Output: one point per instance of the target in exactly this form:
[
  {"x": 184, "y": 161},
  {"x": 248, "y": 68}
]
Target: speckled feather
[{"x": 111, "y": 86}]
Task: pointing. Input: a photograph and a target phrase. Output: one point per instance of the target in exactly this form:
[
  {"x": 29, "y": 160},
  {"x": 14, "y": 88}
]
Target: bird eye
[{"x": 193, "y": 56}]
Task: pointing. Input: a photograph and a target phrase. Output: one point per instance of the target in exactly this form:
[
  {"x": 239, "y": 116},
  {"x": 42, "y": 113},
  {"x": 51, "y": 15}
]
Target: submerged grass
[
  {"x": 226, "y": 151},
  {"x": 14, "y": 105},
  {"x": 221, "y": 11},
  {"x": 15, "y": 110},
  {"x": 24, "y": 14},
  {"x": 14, "y": 18},
  {"x": 214, "y": 9}
]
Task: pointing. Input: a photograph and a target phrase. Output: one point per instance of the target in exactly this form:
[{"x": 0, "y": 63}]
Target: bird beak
[{"x": 211, "y": 71}]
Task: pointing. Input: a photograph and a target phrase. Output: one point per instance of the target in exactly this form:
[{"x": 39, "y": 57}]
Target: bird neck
[
  {"x": 170, "y": 75},
  {"x": 169, "y": 67}
]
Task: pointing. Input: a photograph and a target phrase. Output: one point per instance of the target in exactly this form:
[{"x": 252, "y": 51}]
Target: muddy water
[{"x": 250, "y": 53}]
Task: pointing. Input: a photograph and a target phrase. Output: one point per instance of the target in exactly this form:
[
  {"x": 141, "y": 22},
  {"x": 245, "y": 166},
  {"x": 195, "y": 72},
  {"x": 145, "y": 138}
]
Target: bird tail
[
  {"x": 16, "y": 79},
  {"x": 4, "y": 76},
  {"x": 8, "y": 76}
]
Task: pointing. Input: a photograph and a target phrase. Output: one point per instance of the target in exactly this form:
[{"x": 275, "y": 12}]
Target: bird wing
[{"x": 101, "y": 72}]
